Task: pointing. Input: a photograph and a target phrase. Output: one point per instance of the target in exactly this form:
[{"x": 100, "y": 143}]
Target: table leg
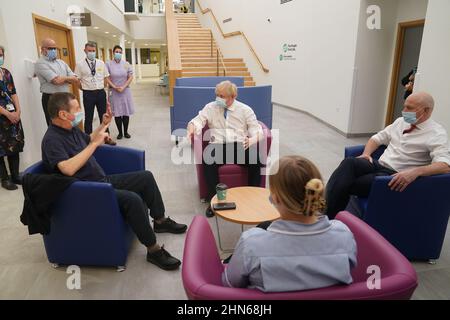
[{"x": 220, "y": 239}]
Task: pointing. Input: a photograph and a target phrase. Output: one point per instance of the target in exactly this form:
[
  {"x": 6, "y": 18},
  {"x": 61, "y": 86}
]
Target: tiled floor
[{"x": 26, "y": 274}]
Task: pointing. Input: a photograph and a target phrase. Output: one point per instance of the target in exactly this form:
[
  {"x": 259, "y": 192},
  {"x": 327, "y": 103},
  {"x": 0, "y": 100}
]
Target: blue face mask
[
  {"x": 91, "y": 56},
  {"x": 117, "y": 56},
  {"x": 79, "y": 116},
  {"x": 51, "y": 54},
  {"x": 2, "y": 61},
  {"x": 410, "y": 117},
  {"x": 220, "y": 102}
]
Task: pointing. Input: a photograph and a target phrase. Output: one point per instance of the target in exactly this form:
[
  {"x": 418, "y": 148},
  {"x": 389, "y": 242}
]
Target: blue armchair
[
  {"x": 208, "y": 82},
  {"x": 87, "y": 227},
  {"x": 414, "y": 221}
]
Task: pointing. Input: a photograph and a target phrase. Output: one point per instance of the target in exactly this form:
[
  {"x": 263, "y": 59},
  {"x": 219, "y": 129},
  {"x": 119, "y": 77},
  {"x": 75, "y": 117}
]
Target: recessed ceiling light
[
  {"x": 146, "y": 44},
  {"x": 114, "y": 36},
  {"x": 96, "y": 28},
  {"x": 107, "y": 32}
]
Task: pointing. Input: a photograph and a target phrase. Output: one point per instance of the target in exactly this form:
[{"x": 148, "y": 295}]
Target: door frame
[
  {"x": 56, "y": 25},
  {"x": 395, "y": 77}
]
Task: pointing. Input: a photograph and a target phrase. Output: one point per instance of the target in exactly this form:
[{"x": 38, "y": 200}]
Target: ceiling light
[
  {"x": 114, "y": 36},
  {"x": 107, "y": 32},
  {"x": 96, "y": 28}
]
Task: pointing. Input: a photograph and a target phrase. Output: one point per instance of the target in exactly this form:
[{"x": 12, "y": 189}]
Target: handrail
[
  {"x": 232, "y": 34},
  {"x": 173, "y": 47},
  {"x": 219, "y": 56}
]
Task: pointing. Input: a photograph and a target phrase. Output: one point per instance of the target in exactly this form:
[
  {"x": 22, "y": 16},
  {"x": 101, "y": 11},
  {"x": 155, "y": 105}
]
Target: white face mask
[{"x": 221, "y": 102}]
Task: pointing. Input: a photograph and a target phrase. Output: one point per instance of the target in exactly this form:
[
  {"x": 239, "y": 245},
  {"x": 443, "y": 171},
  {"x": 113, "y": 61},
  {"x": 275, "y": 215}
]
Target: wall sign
[
  {"x": 289, "y": 52},
  {"x": 80, "y": 19}
]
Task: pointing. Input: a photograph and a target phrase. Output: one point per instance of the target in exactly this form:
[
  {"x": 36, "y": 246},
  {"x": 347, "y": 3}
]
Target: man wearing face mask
[
  {"x": 234, "y": 129},
  {"x": 68, "y": 151},
  {"x": 92, "y": 73},
  {"x": 53, "y": 74},
  {"x": 417, "y": 146}
]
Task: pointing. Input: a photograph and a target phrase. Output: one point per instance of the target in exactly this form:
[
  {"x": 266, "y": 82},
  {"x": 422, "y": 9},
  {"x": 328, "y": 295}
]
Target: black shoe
[
  {"x": 9, "y": 185},
  {"x": 120, "y": 137},
  {"x": 127, "y": 136},
  {"x": 209, "y": 212},
  {"x": 169, "y": 226},
  {"x": 163, "y": 259},
  {"x": 17, "y": 180}
]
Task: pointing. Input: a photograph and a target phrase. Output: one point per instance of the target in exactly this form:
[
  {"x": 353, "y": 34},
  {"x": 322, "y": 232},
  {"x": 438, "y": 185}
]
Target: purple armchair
[
  {"x": 202, "y": 269},
  {"x": 232, "y": 175}
]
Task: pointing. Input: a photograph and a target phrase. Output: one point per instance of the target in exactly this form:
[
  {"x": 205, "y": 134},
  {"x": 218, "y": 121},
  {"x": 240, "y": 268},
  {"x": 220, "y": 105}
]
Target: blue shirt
[
  {"x": 60, "y": 144},
  {"x": 292, "y": 256}
]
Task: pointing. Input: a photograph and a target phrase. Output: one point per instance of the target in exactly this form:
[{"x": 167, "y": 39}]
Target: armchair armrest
[
  {"x": 201, "y": 261},
  {"x": 356, "y": 151},
  {"x": 353, "y": 152},
  {"x": 116, "y": 160}
]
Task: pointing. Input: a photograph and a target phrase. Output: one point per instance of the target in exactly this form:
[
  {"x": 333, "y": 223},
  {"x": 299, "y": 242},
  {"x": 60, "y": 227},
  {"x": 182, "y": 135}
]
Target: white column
[
  {"x": 139, "y": 63},
  {"x": 133, "y": 60},
  {"x": 122, "y": 43}
]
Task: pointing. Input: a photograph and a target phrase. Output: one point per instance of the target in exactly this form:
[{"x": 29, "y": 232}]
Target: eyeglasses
[{"x": 51, "y": 48}]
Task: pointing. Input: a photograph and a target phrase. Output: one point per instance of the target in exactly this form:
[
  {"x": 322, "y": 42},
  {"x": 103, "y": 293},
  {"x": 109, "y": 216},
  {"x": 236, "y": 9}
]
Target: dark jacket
[{"x": 41, "y": 191}]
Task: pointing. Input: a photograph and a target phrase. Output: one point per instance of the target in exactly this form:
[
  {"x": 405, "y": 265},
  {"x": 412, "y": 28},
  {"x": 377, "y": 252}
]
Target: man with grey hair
[
  {"x": 417, "y": 146},
  {"x": 53, "y": 74},
  {"x": 234, "y": 131}
]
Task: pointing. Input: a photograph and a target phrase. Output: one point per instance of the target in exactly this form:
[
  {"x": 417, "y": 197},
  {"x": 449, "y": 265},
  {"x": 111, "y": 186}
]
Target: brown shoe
[{"x": 110, "y": 142}]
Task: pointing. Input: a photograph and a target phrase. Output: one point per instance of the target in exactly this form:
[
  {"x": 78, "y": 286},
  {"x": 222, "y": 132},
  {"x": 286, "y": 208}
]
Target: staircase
[{"x": 196, "y": 57}]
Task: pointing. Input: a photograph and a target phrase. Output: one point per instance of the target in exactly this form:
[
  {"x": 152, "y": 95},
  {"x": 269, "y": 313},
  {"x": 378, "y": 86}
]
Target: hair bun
[{"x": 315, "y": 185}]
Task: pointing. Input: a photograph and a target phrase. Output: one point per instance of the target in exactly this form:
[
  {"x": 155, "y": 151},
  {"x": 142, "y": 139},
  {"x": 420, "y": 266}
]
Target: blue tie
[{"x": 225, "y": 113}]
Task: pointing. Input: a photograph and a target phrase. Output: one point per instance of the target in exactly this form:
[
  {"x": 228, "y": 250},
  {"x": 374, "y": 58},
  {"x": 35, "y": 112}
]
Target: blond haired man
[{"x": 234, "y": 130}]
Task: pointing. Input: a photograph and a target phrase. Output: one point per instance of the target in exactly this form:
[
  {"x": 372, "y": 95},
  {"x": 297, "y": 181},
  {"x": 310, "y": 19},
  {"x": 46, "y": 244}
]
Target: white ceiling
[{"x": 101, "y": 28}]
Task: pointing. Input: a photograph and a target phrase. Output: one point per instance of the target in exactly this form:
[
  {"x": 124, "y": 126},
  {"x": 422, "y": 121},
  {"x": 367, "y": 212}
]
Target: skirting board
[{"x": 347, "y": 135}]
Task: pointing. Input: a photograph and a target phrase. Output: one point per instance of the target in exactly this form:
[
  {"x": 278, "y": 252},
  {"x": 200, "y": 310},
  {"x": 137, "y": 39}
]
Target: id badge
[{"x": 10, "y": 107}]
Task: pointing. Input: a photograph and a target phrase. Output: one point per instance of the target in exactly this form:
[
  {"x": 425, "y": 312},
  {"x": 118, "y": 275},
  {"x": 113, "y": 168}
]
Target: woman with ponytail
[{"x": 301, "y": 251}]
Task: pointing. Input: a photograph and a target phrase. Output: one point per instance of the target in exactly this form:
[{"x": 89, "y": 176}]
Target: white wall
[
  {"x": 120, "y": 4},
  {"x": 372, "y": 68},
  {"x": 21, "y": 44},
  {"x": 410, "y": 10},
  {"x": 320, "y": 80},
  {"x": 434, "y": 64},
  {"x": 150, "y": 70},
  {"x": 149, "y": 27}
]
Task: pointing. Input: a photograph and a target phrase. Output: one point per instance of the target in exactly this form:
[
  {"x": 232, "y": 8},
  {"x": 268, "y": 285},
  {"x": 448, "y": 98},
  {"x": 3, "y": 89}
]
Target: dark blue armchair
[
  {"x": 87, "y": 228},
  {"x": 415, "y": 220}
]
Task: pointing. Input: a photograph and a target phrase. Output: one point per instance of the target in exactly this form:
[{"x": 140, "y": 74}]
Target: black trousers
[
  {"x": 13, "y": 163},
  {"x": 354, "y": 176},
  {"x": 136, "y": 193},
  {"x": 91, "y": 99},
  {"x": 45, "y": 98},
  {"x": 231, "y": 153}
]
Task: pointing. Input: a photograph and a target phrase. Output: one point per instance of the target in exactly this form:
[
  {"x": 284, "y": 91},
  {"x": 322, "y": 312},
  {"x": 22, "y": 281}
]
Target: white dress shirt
[
  {"x": 240, "y": 122},
  {"x": 426, "y": 144},
  {"x": 88, "y": 81}
]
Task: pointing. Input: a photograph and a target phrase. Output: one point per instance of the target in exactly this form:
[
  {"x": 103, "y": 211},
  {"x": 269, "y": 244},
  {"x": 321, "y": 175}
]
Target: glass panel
[{"x": 149, "y": 7}]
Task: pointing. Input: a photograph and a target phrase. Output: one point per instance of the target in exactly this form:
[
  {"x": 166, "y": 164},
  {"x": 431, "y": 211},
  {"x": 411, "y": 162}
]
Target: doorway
[
  {"x": 102, "y": 50},
  {"x": 406, "y": 59},
  {"x": 46, "y": 28}
]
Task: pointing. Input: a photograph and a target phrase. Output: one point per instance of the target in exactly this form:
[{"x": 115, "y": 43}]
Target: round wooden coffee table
[{"x": 252, "y": 207}]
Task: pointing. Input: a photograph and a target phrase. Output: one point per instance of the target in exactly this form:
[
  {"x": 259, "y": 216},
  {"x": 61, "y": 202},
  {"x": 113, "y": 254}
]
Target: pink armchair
[
  {"x": 202, "y": 269},
  {"x": 232, "y": 175}
]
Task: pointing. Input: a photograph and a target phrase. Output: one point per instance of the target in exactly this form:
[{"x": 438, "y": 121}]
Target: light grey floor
[{"x": 26, "y": 274}]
